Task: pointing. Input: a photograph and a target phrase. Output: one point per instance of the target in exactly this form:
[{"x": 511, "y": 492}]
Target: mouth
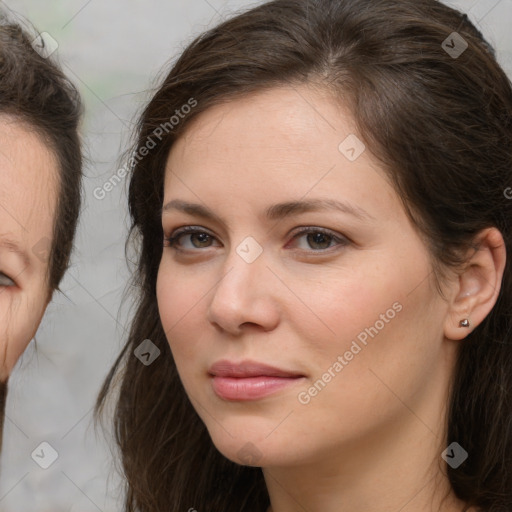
[{"x": 249, "y": 380}]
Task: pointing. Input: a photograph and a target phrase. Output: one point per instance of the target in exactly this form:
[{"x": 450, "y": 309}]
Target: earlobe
[{"x": 478, "y": 287}]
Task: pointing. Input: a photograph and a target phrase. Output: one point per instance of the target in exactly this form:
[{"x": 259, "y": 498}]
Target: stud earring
[{"x": 464, "y": 323}]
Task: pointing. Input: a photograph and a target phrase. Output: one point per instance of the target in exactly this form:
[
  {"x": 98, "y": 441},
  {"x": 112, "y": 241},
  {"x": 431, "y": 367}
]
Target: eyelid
[
  {"x": 188, "y": 229},
  {"x": 317, "y": 229}
]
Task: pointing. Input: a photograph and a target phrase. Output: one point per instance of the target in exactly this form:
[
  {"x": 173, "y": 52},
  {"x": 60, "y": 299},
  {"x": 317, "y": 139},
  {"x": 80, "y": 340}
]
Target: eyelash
[{"x": 190, "y": 230}]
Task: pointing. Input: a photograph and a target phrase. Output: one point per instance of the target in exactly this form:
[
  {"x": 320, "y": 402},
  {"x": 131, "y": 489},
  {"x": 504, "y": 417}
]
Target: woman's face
[
  {"x": 338, "y": 298},
  {"x": 28, "y": 174}
]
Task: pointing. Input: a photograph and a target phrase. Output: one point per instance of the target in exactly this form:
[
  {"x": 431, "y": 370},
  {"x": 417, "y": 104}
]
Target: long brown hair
[
  {"x": 440, "y": 123},
  {"x": 34, "y": 91}
]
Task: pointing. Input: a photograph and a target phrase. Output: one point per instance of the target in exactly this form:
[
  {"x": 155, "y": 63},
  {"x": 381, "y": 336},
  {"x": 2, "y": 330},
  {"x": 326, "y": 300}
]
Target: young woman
[
  {"x": 40, "y": 188},
  {"x": 322, "y": 194}
]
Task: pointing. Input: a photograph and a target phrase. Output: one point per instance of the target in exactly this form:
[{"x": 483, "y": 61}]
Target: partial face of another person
[
  {"x": 337, "y": 295},
  {"x": 28, "y": 195}
]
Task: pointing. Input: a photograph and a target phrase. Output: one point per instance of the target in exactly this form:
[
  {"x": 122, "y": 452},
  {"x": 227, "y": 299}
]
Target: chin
[{"x": 255, "y": 448}]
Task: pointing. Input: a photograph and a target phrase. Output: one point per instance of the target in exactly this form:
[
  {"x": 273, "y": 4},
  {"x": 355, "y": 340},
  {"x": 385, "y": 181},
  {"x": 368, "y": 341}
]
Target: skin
[
  {"x": 28, "y": 196},
  {"x": 371, "y": 439}
]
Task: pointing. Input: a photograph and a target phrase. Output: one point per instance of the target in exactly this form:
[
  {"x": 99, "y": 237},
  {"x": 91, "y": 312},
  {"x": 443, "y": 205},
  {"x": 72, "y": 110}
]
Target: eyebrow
[
  {"x": 13, "y": 246},
  {"x": 275, "y": 211}
]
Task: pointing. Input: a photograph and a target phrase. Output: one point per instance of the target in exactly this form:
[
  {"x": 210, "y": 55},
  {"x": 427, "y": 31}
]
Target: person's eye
[
  {"x": 318, "y": 239},
  {"x": 198, "y": 239},
  {"x": 6, "y": 280}
]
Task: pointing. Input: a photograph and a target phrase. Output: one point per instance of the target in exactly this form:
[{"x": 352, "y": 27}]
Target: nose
[{"x": 245, "y": 296}]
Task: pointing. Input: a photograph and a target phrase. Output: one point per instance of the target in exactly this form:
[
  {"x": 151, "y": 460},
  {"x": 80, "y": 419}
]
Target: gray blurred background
[{"x": 112, "y": 51}]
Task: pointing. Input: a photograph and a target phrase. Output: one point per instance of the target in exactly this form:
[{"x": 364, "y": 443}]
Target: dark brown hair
[
  {"x": 442, "y": 128},
  {"x": 35, "y": 92}
]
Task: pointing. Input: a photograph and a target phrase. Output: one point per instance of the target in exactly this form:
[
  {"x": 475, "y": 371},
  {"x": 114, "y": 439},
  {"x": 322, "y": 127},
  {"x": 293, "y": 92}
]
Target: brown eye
[
  {"x": 198, "y": 239},
  {"x": 319, "y": 239},
  {"x": 201, "y": 238}
]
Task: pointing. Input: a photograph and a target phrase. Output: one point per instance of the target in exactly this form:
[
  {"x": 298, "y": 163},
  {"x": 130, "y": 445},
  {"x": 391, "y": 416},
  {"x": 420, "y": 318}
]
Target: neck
[{"x": 400, "y": 468}]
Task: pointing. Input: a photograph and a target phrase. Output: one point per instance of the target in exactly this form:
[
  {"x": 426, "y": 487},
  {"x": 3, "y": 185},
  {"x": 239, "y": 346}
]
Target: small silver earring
[{"x": 464, "y": 323}]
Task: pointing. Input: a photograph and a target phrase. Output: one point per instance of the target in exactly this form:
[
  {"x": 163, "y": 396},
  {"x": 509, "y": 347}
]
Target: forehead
[
  {"x": 291, "y": 112},
  {"x": 28, "y": 183},
  {"x": 276, "y": 145},
  {"x": 28, "y": 165}
]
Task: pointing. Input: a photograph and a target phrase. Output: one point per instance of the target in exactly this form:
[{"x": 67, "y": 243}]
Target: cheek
[
  {"x": 20, "y": 316},
  {"x": 378, "y": 318},
  {"x": 179, "y": 298},
  {"x": 172, "y": 293},
  {"x": 388, "y": 334},
  {"x": 336, "y": 304}
]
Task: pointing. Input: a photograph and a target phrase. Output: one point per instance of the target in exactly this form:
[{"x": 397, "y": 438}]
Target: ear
[{"x": 477, "y": 288}]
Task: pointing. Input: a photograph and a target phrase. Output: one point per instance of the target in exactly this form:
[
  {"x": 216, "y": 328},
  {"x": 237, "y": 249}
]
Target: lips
[
  {"x": 249, "y": 380},
  {"x": 246, "y": 369}
]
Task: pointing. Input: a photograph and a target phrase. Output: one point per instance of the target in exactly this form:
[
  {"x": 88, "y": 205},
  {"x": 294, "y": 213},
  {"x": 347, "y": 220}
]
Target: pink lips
[{"x": 249, "y": 380}]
